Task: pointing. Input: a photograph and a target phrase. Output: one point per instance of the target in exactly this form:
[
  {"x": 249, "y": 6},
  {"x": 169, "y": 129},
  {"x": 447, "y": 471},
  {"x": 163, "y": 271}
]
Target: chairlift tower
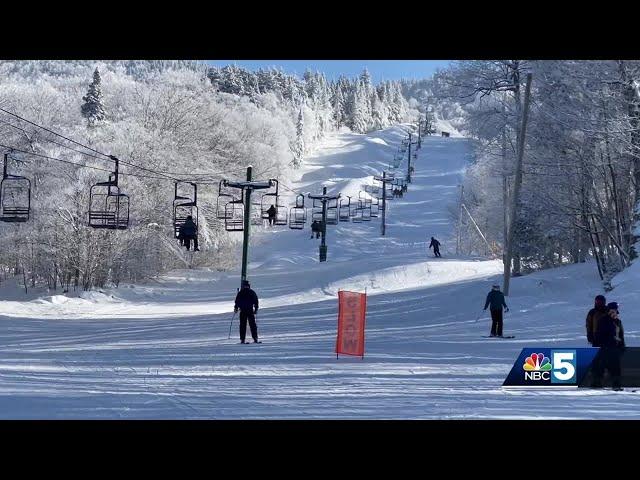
[
  {"x": 324, "y": 198},
  {"x": 246, "y": 188},
  {"x": 385, "y": 178}
]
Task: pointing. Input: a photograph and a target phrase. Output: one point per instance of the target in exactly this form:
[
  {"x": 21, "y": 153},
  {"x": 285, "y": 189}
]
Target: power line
[
  {"x": 76, "y": 164},
  {"x": 110, "y": 157}
]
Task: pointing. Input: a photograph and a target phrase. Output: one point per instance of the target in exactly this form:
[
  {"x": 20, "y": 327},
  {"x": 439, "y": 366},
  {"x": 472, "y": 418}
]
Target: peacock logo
[
  {"x": 537, "y": 361},
  {"x": 537, "y": 367}
]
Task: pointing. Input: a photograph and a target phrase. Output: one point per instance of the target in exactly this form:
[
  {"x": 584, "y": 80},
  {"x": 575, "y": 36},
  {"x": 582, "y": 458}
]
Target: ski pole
[
  {"x": 481, "y": 313},
  {"x": 234, "y": 316}
]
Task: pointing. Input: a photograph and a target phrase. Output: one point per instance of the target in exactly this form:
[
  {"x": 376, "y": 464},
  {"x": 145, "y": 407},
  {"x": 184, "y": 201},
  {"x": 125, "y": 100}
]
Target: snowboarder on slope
[
  {"x": 598, "y": 311},
  {"x": 495, "y": 298},
  {"x": 436, "y": 247},
  {"x": 247, "y": 303}
]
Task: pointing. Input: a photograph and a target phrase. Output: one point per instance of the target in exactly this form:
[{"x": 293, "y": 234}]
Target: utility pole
[
  {"x": 384, "y": 179},
  {"x": 409, "y": 161},
  {"x": 419, "y": 133},
  {"x": 324, "y": 198},
  {"x": 516, "y": 189},
  {"x": 247, "y": 226},
  {"x": 247, "y": 187},
  {"x": 459, "y": 220}
]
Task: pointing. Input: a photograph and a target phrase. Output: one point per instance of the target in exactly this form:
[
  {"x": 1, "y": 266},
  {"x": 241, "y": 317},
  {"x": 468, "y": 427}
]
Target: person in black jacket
[
  {"x": 316, "y": 227},
  {"x": 436, "y": 247},
  {"x": 609, "y": 336},
  {"x": 272, "y": 215},
  {"x": 598, "y": 311},
  {"x": 495, "y": 298},
  {"x": 247, "y": 303},
  {"x": 189, "y": 231}
]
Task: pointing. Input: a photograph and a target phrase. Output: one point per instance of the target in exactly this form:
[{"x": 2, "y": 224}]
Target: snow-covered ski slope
[{"x": 161, "y": 350}]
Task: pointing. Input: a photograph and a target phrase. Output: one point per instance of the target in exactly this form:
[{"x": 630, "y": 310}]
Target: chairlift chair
[
  {"x": 269, "y": 199},
  {"x": 344, "y": 213},
  {"x": 298, "y": 214},
  {"x": 108, "y": 206},
  {"x": 15, "y": 197},
  {"x": 316, "y": 212},
  {"x": 184, "y": 207},
  {"x": 332, "y": 212},
  {"x": 281, "y": 215},
  {"x": 221, "y": 202},
  {"x": 234, "y": 216}
]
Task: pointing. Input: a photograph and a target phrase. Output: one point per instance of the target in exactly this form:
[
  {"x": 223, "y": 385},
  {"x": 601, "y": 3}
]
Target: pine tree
[
  {"x": 93, "y": 108},
  {"x": 298, "y": 147}
]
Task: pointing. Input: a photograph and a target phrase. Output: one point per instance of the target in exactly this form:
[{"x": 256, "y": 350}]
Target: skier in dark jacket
[
  {"x": 599, "y": 310},
  {"x": 436, "y": 247},
  {"x": 316, "y": 227},
  {"x": 247, "y": 303},
  {"x": 272, "y": 215},
  {"x": 189, "y": 231},
  {"x": 609, "y": 336},
  {"x": 495, "y": 298}
]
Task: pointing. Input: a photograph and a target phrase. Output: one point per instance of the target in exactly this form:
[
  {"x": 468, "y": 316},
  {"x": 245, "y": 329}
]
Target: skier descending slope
[
  {"x": 246, "y": 301},
  {"x": 436, "y": 247},
  {"x": 495, "y": 298}
]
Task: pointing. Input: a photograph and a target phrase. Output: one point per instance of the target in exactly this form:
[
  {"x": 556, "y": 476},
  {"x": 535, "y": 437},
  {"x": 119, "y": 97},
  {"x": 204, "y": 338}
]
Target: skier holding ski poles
[
  {"x": 495, "y": 298},
  {"x": 246, "y": 302}
]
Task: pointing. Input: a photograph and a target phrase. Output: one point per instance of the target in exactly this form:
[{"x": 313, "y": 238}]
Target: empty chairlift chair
[
  {"x": 298, "y": 214},
  {"x": 234, "y": 216},
  {"x": 108, "y": 206},
  {"x": 224, "y": 197},
  {"x": 15, "y": 197},
  {"x": 332, "y": 212},
  {"x": 345, "y": 211}
]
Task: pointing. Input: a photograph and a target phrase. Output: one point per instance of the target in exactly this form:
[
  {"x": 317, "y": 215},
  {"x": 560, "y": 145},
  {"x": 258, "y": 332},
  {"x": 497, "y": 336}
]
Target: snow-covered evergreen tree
[
  {"x": 298, "y": 148},
  {"x": 93, "y": 108}
]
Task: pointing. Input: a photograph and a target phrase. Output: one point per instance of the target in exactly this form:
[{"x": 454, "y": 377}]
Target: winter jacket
[
  {"x": 605, "y": 333},
  {"x": 594, "y": 315},
  {"x": 496, "y": 299},
  {"x": 246, "y": 300},
  {"x": 188, "y": 229},
  {"x": 271, "y": 211},
  {"x": 435, "y": 244}
]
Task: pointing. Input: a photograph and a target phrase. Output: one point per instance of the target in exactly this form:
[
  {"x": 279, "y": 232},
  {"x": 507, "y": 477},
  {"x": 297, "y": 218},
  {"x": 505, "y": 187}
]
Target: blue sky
[{"x": 379, "y": 69}]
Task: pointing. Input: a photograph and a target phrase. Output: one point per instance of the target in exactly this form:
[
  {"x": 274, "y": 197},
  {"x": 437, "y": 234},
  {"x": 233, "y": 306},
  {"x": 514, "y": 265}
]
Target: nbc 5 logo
[{"x": 560, "y": 368}]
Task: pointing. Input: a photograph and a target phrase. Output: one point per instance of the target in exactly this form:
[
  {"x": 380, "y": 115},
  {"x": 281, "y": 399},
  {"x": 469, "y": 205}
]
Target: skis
[
  {"x": 247, "y": 343},
  {"x": 495, "y": 336}
]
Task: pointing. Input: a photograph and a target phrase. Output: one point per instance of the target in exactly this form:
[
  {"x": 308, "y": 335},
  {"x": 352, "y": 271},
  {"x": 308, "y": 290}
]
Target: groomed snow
[{"x": 160, "y": 350}]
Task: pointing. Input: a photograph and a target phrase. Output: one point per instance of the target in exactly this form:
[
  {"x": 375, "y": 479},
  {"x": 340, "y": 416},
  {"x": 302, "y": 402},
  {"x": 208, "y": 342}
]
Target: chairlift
[
  {"x": 234, "y": 216},
  {"x": 332, "y": 212},
  {"x": 108, "y": 206},
  {"x": 344, "y": 213},
  {"x": 269, "y": 199},
  {"x": 316, "y": 212},
  {"x": 221, "y": 202},
  {"x": 281, "y": 215},
  {"x": 15, "y": 197},
  {"x": 256, "y": 214},
  {"x": 184, "y": 207},
  {"x": 298, "y": 214}
]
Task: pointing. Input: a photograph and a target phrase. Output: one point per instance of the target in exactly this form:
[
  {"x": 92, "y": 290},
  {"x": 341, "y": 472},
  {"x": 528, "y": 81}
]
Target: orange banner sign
[{"x": 352, "y": 307}]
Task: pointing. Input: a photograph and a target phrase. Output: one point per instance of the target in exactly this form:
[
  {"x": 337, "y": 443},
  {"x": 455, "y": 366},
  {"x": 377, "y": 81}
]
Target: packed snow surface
[{"x": 161, "y": 350}]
